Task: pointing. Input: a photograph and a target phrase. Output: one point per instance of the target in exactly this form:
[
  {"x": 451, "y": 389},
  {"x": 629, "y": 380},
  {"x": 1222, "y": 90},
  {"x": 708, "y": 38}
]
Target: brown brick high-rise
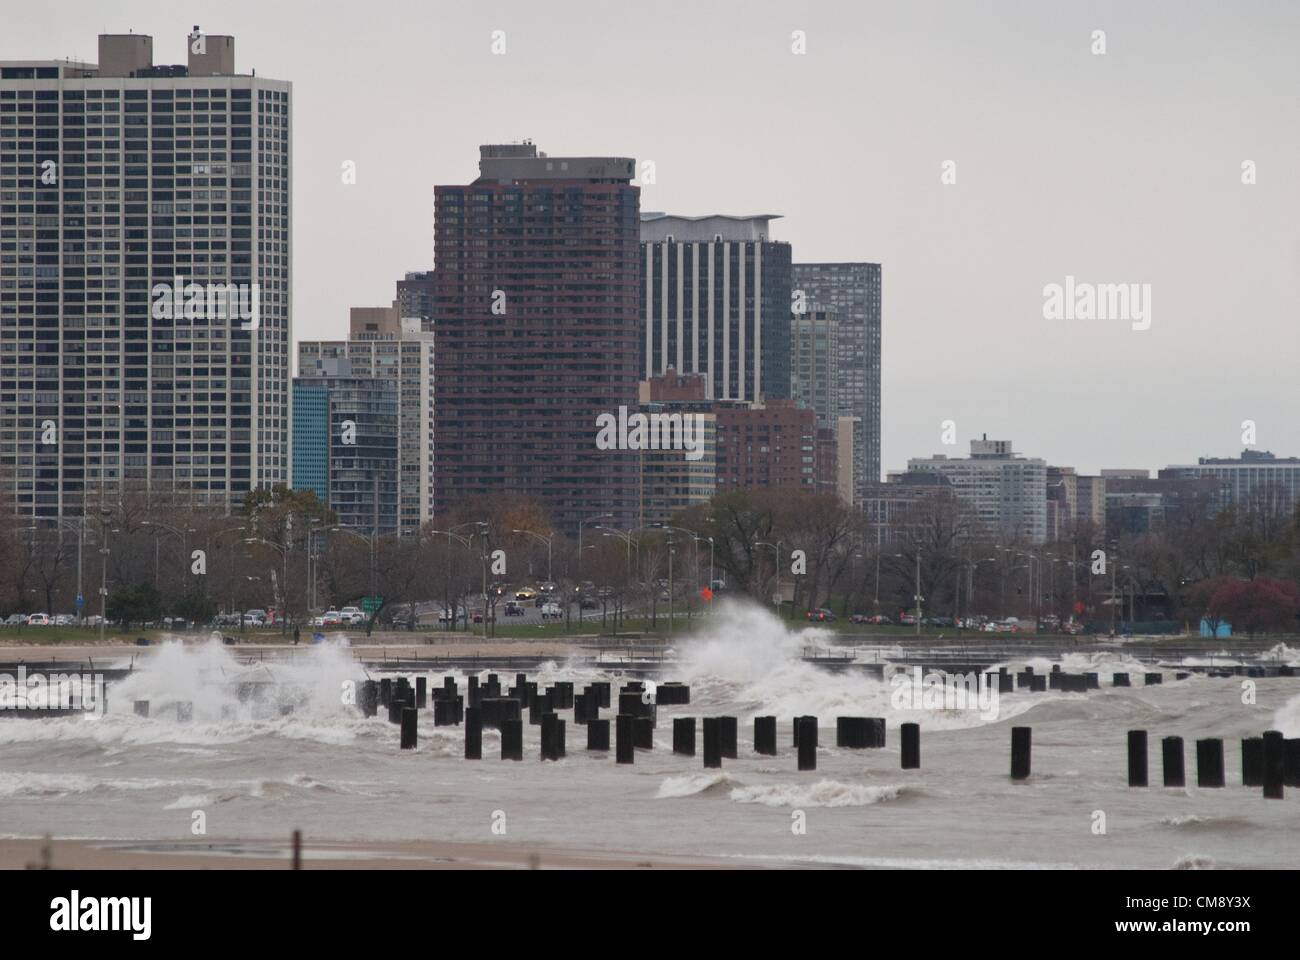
[{"x": 553, "y": 243}]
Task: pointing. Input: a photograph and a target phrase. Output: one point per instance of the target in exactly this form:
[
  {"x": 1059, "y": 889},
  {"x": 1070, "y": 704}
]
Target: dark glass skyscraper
[
  {"x": 535, "y": 316},
  {"x": 852, "y": 290}
]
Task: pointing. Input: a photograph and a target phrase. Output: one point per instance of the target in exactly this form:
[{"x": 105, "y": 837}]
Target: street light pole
[
  {"x": 777, "y": 547},
  {"x": 104, "y": 514},
  {"x": 581, "y": 523},
  {"x": 918, "y": 593}
]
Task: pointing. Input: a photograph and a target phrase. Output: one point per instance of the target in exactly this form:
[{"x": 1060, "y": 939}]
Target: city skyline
[{"x": 1040, "y": 194}]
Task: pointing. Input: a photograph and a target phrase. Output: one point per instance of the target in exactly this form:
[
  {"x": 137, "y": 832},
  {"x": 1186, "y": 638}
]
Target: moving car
[
  {"x": 526, "y": 593},
  {"x": 551, "y": 611},
  {"x": 514, "y": 608},
  {"x": 588, "y": 603},
  {"x": 331, "y": 618}
]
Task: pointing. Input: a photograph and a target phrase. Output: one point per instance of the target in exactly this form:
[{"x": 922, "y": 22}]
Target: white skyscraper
[{"x": 145, "y": 288}]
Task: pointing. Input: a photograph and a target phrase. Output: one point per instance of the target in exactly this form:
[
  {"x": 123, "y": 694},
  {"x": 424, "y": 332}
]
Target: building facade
[
  {"x": 1005, "y": 493},
  {"x": 383, "y": 345},
  {"x": 536, "y": 314},
  {"x": 814, "y": 363},
  {"x": 853, "y": 291},
  {"x": 1256, "y": 479},
  {"x": 145, "y": 278},
  {"x": 415, "y": 296},
  {"x": 672, "y": 481},
  {"x": 346, "y": 431},
  {"x": 772, "y": 444},
  {"x": 715, "y": 301}
]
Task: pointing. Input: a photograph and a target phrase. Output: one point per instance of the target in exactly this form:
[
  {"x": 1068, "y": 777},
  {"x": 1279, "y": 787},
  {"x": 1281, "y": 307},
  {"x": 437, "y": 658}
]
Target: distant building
[
  {"x": 415, "y": 296},
  {"x": 1141, "y": 504},
  {"x": 715, "y": 300},
  {"x": 814, "y": 363},
  {"x": 346, "y": 431},
  {"x": 1256, "y": 478},
  {"x": 848, "y": 430},
  {"x": 892, "y": 509},
  {"x": 537, "y": 314},
  {"x": 773, "y": 444},
  {"x": 853, "y": 291},
  {"x": 116, "y": 179},
  {"x": 1072, "y": 500},
  {"x": 827, "y": 477},
  {"x": 385, "y": 346},
  {"x": 1006, "y": 493},
  {"x": 671, "y": 481}
]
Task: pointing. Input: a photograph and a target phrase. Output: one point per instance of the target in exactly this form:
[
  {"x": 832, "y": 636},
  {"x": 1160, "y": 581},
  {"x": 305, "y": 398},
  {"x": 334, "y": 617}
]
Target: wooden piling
[
  {"x": 1021, "y": 749},
  {"x": 1171, "y": 752}
]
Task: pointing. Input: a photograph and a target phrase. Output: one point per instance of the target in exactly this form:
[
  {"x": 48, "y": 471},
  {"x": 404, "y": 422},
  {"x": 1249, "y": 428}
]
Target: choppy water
[{"x": 325, "y": 770}]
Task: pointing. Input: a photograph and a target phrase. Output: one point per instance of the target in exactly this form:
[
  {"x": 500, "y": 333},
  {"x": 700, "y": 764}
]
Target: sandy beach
[{"x": 19, "y": 854}]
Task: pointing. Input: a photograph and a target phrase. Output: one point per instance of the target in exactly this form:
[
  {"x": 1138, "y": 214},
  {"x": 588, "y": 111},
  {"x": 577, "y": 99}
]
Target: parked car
[
  {"x": 907, "y": 620},
  {"x": 448, "y": 615},
  {"x": 38, "y": 620},
  {"x": 820, "y": 615},
  {"x": 551, "y": 611},
  {"x": 859, "y": 618},
  {"x": 15, "y": 619},
  {"x": 514, "y": 608},
  {"x": 64, "y": 620}
]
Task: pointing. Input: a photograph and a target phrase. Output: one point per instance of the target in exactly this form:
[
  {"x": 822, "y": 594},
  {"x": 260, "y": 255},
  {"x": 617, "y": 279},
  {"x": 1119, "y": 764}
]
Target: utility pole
[
  {"x": 104, "y": 514},
  {"x": 918, "y": 593}
]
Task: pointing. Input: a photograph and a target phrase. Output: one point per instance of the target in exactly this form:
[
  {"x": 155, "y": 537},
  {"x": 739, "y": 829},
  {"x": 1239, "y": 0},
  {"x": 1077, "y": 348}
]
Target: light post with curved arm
[
  {"x": 284, "y": 579},
  {"x": 546, "y": 540},
  {"x": 182, "y": 534},
  {"x": 371, "y": 540},
  {"x": 777, "y": 547},
  {"x": 469, "y": 543}
]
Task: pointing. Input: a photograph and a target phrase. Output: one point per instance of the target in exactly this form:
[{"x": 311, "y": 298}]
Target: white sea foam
[
  {"x": 750, "y": 663},
  {"x": 1287, "y": 718},
  {"x": 823, "y": 793},
  {"x": 693, "y": 785}
]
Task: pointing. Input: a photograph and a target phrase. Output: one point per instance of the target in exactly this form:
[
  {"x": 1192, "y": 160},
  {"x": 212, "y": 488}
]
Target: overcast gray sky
[{"x": 1119, "y": 168}]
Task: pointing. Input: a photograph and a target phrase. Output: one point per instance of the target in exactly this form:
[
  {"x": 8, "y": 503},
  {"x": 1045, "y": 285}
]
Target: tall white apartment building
[{"x": 145, "y": 277}]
